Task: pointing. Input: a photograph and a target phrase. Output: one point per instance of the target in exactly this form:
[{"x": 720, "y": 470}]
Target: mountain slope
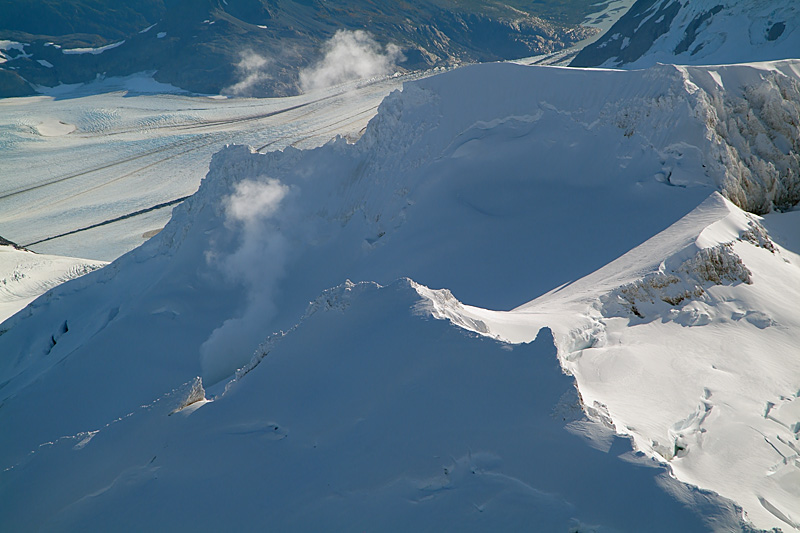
[
  {"x": 498, "y": 182},
  {"x": 333, "y": 432},
  {"x": 95, "y": 20},
  {"x": 700, "y": 32},
  {"x": 688, "y": 344},
  {"x": 208, "y": 46}
]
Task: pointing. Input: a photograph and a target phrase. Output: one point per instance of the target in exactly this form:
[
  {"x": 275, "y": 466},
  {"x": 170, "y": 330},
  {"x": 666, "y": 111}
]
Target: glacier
[{"x": 105, "y": 162}]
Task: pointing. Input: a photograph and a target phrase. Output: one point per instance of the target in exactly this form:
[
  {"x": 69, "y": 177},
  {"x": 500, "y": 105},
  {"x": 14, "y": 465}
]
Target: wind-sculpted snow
[
  {"x": 757, "y": 140},
  {"x": 752, "y": 119},
  {"x": 487, "y": 185}
]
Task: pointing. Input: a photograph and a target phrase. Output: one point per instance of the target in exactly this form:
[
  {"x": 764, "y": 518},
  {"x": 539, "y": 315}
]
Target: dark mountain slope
[
  {"x": 196, "y": 44},
  {"x": 700, "y": 32}
]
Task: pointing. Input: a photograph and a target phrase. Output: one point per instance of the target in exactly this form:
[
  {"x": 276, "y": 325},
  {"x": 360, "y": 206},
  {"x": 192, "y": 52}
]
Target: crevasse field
[{"x": 520, "y": 298}]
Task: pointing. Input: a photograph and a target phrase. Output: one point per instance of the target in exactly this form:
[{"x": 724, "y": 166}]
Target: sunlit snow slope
[
  {"x": 27, "y": 275},
  {"x": 496, "y": 183},
  {"x": 688, "y": 343}
]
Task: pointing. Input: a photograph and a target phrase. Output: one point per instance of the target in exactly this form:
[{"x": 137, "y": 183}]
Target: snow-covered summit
[
  {"x": 698, "y": 32},
  {"x": 499, "y": 183}
]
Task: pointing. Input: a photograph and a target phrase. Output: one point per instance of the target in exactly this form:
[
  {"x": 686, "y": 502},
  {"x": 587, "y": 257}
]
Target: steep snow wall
[{"x": 754, "y": 132}]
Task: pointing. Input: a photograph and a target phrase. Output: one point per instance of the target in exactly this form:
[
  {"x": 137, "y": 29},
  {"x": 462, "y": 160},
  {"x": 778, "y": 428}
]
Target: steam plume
[
  {"x": 257, "y": 264},
  {"x": 350, "y": 55}
]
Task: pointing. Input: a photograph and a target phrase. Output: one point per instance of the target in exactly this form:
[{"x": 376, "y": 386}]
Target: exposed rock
[
  {"x": 709, "y": 266},
  {"x": 12, "y": 84}
]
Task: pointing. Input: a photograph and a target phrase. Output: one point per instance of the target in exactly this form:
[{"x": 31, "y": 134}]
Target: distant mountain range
[
  {"x": 700, "y": 32},
  {"x": 197, "y": 44}
]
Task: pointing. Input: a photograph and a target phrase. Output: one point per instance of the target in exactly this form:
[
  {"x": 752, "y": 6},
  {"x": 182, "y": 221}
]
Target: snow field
[
  {"x": 27, "y": 275},
  {"x": 432, "y": 430}
]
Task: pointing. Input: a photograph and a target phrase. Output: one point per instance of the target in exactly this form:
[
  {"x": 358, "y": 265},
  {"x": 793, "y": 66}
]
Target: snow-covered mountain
[
  {"x": 688, "y": 344},
  {"x": 697, "y": 32},
  {"x": 192, "y": 377}
]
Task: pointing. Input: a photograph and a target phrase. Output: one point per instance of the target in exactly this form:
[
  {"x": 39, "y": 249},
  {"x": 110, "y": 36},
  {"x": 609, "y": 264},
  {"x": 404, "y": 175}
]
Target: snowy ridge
[
  {"x": 442, "y": 305},
  {"x": 678, "y": 278},
  {"x": 337, "y": 298},
  {"x": 469, "y": 461},
  {"x": 474, "y": 184},
  {"x": 739, "y": 123},
  {"x": 652, "y": 348},
  {"x": 649, "y": 349},
  {"x": 700, "y": 32},
  {"x": 682, "y": 287}
]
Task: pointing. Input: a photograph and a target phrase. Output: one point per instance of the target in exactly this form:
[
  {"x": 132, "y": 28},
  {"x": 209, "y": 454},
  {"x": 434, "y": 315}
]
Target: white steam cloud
[
  {"x": 252, "y": 70},
  {"x": 350, "y": 55},
  {"x": 257, "y": 264},
  {"x": 252, "y": 202}
]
